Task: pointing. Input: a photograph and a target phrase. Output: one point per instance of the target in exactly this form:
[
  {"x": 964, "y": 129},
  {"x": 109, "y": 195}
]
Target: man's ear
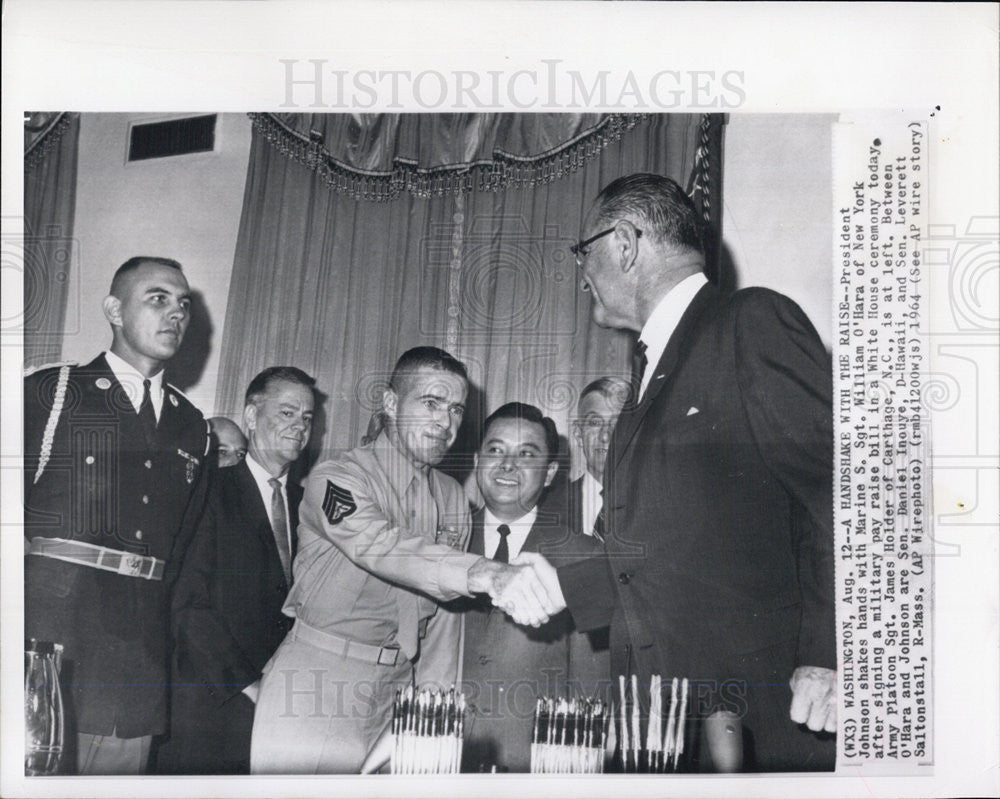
[
  {"x": 550, "y": 474},
  {"x": 112, "y": 307},
  {"x": 628, "y": 244},
  {"x": 389, "y": 403},
  {"x": 250, "y": 418},
  {"x": 577, "y": 433}
]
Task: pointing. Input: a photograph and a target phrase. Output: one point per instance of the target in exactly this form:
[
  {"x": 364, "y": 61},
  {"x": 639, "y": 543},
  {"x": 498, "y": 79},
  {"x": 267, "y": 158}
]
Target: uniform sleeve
[
  {"x": 339, "y": 504},
  {"x": 196, "y": 504},
  {"x": 205, "y": 648},
  {"x": 785, "y": 383}
]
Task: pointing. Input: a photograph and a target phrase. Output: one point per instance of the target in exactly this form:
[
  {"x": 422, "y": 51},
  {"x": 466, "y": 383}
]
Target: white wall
[
  {"x": 183, "y": 207},
  {"x": 778, "y": 207}
]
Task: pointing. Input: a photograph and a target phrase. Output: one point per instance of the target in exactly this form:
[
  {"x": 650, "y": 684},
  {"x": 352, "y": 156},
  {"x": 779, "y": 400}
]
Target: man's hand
[
  {"x": 515, "y": 588},
  {"x": 548, "y": 576},
  {"x": 814, "y": 698}
]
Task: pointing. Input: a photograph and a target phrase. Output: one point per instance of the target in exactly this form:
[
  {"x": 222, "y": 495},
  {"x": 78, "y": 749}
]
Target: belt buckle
[
  {"x": 130, "y": 565},
  {"x": 387, "y": 651}
]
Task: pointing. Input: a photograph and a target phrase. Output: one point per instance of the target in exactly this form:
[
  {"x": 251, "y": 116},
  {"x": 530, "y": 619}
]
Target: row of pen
[
  {"x": 427, "y": 731},
  {"x": 662, "y": 749},
  {"x": 569, "y": 736}
]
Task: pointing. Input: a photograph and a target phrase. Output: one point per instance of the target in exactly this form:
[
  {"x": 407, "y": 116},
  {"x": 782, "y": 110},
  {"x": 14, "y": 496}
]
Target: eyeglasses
[{"x": 580, "y": 250}]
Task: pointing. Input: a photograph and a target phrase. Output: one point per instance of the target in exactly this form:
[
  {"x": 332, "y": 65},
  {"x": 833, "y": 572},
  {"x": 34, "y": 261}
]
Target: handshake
[{"x": 527, "y": 589}]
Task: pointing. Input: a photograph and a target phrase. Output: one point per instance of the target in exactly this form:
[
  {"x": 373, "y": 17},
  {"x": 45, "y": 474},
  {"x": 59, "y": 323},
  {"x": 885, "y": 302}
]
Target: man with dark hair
[
  {"x": 228, "y": 442},
  {"x": 113, "y": 460},
  {"x": 382, "y": 543},
  {"x": 505, "y": 666},
  {"x": 227, "y": 609},
  {"x": 718, "y": 484}
]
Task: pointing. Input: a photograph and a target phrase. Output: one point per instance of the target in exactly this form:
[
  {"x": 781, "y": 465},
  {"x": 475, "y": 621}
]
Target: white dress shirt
[
  {"x": 591, "y": 503},
  {"x": 518, "y": 533},
  {"x": 131, "y": 380},
  {"x": 261, "y": 477},
  {"x": 663, "y": 322}
]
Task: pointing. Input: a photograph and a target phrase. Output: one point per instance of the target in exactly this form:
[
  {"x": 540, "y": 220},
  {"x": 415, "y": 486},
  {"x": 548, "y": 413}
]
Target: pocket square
[{"x": 692, "y": 411}]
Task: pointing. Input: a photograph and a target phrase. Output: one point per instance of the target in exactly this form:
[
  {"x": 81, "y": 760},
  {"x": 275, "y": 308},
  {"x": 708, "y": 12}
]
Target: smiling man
[
  {"x": 227, "y": 609},
  {"x": 113, "y": 458},
  {"x": 717, "y": 486},
  {"x": 506, "y": 667},
  {"x": 381, "y": 543}
]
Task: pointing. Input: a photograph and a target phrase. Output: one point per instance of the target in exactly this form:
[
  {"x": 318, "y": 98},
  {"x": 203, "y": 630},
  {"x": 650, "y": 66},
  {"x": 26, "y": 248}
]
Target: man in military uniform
[
  {"x": 382, "y": 536},
  {"x": 113, "y": 460}
]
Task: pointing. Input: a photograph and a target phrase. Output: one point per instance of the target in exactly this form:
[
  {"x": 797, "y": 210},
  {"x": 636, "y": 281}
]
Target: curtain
[
  {"x": 50, "y": 156},
  {"x": 363, "y": 237}
]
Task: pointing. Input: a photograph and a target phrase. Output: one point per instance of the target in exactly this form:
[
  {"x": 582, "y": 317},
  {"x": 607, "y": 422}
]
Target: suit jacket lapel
[
  {"x": 631, "y": 418},
  {"x": 575, "y": 511},
  {"x": 477, "y": 541},
  {"x": 117, "y": 398},
  {"x": 252, "y": 504},
  {"x": 168, "y": 428},
  {"x": 293, "y": 492}
]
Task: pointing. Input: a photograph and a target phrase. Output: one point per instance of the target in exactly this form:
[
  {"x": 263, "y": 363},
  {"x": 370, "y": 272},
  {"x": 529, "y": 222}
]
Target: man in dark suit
[
  {"x": 227, "y": 618},
  {"x": 506, "y": 667},
  {"x": 597, "y": 411},
  {"x": 718, "y": 485},
  {"x": 113, "y": 457}
]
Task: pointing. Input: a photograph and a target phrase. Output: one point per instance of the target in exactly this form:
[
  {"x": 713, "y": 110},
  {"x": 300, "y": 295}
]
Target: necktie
[
  {"x": 638, "y": 367},
  {"x": 147, "y": 416},
  {"x": 502, "y": 555},
  {"x": 279, "y": 526}
]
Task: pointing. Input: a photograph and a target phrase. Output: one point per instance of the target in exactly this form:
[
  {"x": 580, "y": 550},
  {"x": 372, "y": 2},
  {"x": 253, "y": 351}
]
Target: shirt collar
[
  {"x": 591, "y": 487},
  {"x": 131, "y": 378},
  {"x": 397, "y": 466},
  {"x": 663, "y": 321},
  {"x": 519, "y": 531},
  {"x": 525, "y": 523},
  {"x": 260, "y": 474}
]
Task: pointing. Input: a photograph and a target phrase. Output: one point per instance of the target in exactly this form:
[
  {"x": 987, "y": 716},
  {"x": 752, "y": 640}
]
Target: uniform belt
[
  {"x": 97, "y": 557},
  {"x": 368, "y": 653}
]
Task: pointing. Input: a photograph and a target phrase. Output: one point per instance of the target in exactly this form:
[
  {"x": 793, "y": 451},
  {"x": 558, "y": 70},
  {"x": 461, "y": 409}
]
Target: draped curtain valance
[
  {"x": 362, "y": 236},
  {"x": 378, "y": 156}
]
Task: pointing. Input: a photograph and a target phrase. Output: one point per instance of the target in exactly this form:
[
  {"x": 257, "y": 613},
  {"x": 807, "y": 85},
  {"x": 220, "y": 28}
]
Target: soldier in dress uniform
[{"x": 113, "y": 464}]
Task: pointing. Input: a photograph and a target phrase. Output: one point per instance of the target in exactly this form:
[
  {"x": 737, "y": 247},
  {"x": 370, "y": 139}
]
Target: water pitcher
[{"x": 43, "y": 708}]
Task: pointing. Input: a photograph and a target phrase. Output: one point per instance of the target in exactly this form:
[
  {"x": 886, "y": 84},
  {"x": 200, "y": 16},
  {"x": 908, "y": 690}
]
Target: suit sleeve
[
  {"x": 370, "y": 540},
  {"x": 192, "y": 517},
  {"x": 589, "y": 592},
  {"x": 785, "y": 384},
  {"x": 205, "y": 649}
]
